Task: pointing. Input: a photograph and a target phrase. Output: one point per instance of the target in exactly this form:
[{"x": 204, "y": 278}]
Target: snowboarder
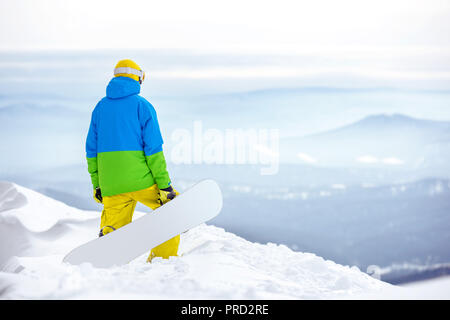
[{"x": 125, "y": 157}]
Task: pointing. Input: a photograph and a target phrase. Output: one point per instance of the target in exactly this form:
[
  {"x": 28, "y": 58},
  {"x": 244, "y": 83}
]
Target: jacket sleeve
[
  {"x": 91, "y": 150},
  {"x": 153, "y": 142}
]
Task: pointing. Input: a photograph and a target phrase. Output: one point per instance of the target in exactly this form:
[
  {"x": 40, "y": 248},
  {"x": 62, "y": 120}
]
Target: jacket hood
[{"x": 120, "y": 87}]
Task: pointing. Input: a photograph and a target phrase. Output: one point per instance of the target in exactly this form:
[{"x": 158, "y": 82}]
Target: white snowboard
[{"x": 198, "y": 204}]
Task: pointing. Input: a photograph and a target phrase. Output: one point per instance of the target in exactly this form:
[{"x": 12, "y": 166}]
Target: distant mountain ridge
[
  {"x": 377, "y": 140},
  {"x": 387, "y": 121}
]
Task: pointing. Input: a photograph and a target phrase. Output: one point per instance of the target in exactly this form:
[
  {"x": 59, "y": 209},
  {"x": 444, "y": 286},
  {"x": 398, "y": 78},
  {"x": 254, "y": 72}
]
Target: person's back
[{"x": 124, "y": 154}]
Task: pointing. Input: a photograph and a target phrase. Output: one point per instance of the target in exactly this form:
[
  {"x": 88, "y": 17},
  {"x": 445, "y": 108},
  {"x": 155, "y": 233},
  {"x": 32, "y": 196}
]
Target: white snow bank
[
  {"x": 32, "y": 224},
  {"x": 437, "y": 288},
  {"x": 33, "y": 210},
  {"x": 36, "y": 232},
  {"x": 10, "y": 197}
]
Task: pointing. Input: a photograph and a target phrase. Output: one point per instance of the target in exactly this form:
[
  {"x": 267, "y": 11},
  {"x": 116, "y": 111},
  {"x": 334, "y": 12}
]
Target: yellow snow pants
[{"x": 118, "y": 211}]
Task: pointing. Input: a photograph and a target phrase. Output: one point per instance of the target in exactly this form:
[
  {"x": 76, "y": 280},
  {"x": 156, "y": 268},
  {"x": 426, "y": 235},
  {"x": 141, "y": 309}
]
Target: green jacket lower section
[{"x": 118, "y": 172}]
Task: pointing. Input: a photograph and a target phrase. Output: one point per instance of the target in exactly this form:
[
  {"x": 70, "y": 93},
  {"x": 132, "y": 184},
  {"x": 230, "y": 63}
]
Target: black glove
[
  {"x": 98, "y": 195},
  {"x": 167, "y": 194}
]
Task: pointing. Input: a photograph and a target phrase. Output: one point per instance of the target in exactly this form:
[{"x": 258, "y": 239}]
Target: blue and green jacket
[{"x": 124, "y": 143}]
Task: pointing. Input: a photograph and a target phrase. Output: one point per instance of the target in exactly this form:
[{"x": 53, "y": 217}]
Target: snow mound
[
  {"x": 10, "y": 197},
  {"x": 33, "y": 210},
  {"x": 33, "y": 224},
  {"x": 36, "y": 232}
]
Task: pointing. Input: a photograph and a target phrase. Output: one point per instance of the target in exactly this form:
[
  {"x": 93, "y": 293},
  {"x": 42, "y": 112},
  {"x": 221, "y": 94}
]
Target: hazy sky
[
  {"x": 392, "y": 42},
  {"x": 234, "y": 25}
]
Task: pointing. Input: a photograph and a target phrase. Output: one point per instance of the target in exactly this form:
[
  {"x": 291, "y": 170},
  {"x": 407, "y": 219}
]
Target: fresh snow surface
[
  {"x": 36, "y": 232},
  {"x": 433, "y": 289}
]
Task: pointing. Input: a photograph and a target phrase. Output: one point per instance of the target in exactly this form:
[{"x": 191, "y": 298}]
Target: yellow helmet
[{"x": 129, "y": 68}]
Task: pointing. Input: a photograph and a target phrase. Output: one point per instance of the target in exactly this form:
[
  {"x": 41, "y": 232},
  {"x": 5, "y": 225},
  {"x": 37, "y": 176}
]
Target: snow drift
[{"x": 36, "y": 232}]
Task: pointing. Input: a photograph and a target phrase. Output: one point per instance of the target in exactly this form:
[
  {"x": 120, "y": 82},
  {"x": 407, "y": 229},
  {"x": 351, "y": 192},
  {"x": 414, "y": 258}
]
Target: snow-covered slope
[{"x": 37, "y": 231}]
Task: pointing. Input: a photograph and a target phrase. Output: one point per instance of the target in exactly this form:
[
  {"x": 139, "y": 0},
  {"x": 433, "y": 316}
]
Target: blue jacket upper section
[{"x": 123, "y": 121}]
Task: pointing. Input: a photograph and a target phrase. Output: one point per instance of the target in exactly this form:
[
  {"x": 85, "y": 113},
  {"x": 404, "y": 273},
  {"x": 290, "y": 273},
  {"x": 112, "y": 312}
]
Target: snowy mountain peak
[
  {"x": 212, "y": 263},
  {"x": 408, "y": 142},
  {"x": 10, "y": 197},
  {"x": 33, "y": 210},
  {"x": 387, "y": 118},
  {"x": 393, "y": 123},
  {"x": 397, "y": 120}
]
